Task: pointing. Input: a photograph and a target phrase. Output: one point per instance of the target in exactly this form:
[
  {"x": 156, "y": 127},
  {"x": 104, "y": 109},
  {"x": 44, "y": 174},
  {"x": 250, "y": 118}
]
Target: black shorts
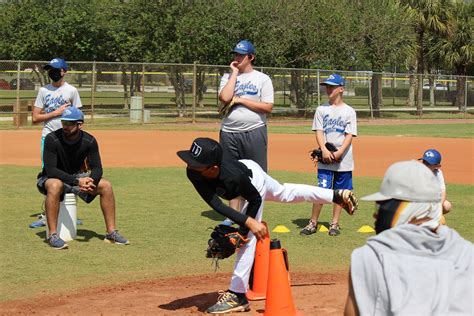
[{"x": 67, "y": 189}]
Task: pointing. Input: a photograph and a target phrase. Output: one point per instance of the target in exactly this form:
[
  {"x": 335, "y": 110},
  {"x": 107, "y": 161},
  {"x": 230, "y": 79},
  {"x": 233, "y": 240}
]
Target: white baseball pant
[{"x": 270, "y": 190}]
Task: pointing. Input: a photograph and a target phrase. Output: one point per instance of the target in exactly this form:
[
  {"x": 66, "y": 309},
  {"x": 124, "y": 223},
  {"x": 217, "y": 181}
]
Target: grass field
[{"x": 166, "y": 222}]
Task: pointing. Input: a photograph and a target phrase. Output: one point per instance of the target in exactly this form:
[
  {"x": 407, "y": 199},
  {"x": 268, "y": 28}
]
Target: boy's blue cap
[
  {"x": 72, "y": 113},
  {"x": 57, "y": 63},
  {"x": 244, "y": 47},
  {"x": 334, "y": 80},
  {"x": 432, "y": 157}
]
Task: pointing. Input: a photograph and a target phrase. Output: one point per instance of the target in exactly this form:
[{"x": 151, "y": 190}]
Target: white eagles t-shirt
[
  {"x": 439, "y": 176},
  {"x": 253, "y": 85},
  {"x": 50, "y": 98},
  {"x": 336, "y": 122}
]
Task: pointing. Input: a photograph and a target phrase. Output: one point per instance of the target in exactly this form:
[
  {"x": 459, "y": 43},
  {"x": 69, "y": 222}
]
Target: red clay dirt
[
  {"x": 373, "y": 154},
  {"x": 314, "y": 293}
]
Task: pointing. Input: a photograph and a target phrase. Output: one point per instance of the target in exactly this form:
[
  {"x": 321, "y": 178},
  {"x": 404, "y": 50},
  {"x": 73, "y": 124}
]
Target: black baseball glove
[
  {"x": 225, "y": 241},
  {"x": 317, "y": 154}
]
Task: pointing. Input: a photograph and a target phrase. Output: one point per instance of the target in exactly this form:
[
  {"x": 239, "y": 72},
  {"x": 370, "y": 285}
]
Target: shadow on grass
[
  {"x": 211, "y": 214},
  {"x": 201, "y": 301},
  {"x": 83, "y": 235},
  {"x": 302, "y": 222}
]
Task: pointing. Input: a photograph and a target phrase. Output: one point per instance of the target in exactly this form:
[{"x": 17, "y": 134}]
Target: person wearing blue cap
[
  {"x": 432, "y": 159},
  {"x": 243, "y": 132},
  {"x": 66, "y": 152},
  {"x": 334, "y": 122},
  {"x": 50, "y": 103}
]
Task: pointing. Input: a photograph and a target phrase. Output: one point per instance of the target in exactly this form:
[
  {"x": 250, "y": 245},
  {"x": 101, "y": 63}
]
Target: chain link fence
[{"x": 124, "y": 93}]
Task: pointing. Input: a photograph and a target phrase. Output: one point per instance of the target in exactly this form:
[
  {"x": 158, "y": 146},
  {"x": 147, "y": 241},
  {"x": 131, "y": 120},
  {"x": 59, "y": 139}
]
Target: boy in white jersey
[
  {"x": 432, "y": 159},
  {"x": 334, "y": 122},
  {"x": 50, "y": 103}
]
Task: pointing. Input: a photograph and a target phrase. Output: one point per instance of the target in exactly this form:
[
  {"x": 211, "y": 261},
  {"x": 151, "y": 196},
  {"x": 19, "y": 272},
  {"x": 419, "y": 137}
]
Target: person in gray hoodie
[{"x": 413, "y": 266}]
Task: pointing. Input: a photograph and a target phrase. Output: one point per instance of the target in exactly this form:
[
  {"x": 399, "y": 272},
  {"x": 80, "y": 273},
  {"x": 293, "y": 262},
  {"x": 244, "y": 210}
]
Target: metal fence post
[
  {"x": 318, "y": 82},
  {"x": 370, "y": 97},
  {"x": 93, "y": 88},
  {"x": 143, "y": 93},
  {"x": 194, "y": 92},
  {"x": 17, "y": 103},
  {"x": 465, "y": 96}
]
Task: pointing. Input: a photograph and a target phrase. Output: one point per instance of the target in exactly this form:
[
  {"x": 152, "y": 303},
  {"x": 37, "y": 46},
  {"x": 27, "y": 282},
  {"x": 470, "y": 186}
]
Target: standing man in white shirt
[{"x": 243, "y": 132}]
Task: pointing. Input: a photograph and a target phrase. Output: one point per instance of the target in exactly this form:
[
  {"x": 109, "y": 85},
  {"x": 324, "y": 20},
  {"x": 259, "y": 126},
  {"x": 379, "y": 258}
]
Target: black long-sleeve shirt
[
  {"x": 63, "y": 159},
  {"x": 234, "y": 180}
]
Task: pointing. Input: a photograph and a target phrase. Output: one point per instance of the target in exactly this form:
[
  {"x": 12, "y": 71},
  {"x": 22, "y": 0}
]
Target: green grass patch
[
  {"x": 454, "y": 130},
  {"x": 167, "y": 224}
]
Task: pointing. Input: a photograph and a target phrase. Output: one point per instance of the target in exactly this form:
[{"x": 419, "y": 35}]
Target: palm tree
[
  {"x": 456, "y": 49},
  {"x": 430, "y": 17}
]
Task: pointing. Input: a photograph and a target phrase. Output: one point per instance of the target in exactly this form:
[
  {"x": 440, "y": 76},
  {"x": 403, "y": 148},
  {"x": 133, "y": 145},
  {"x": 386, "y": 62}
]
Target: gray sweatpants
[{"x": 246, "y": 145}]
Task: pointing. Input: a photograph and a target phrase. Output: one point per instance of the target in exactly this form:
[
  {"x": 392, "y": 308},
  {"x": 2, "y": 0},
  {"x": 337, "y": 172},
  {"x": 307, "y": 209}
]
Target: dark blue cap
[
  {"x": 334, "y": 80},
  {"x": 244, "y": 47},
  {"x": 204, "y": 152},
  {"x": 57, "y": 63},
  {"x": 431, "y": 157}
]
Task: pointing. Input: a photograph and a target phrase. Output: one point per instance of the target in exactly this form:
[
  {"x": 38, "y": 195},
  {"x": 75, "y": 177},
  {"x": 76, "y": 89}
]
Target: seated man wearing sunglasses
[{"x": 72, "y": 165}]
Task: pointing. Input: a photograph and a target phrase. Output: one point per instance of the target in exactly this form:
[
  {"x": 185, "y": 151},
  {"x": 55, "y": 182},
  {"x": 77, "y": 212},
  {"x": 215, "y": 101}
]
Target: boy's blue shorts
[{"x": 335, "y": 179}]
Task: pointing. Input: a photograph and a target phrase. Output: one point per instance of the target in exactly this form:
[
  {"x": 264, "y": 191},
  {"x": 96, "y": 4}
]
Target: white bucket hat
[{"x": 408, "y": 181}]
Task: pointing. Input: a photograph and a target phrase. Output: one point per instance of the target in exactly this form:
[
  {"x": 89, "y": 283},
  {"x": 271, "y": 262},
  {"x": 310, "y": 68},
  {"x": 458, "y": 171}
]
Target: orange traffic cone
[
  {"x": 260, "y": 272},
  {"x": 279, "y": 298}
]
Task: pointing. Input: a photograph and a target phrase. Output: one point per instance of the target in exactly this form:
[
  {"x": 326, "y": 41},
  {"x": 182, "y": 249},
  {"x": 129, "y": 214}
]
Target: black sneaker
[
  {"x": 334, "y": 229},
  {"x": 309, "y": 229},
  {"x": 229, "y": 302}
]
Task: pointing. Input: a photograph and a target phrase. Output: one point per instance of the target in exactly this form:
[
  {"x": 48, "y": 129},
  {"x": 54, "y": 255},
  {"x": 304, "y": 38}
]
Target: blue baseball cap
[
  {"x": 244, "y": 47},
  {"x": 334, "y": 80},
  {"x": 72, "y": 113},
  {"x": 57, "y": 63},
  {"x": 431, "y": 157}
]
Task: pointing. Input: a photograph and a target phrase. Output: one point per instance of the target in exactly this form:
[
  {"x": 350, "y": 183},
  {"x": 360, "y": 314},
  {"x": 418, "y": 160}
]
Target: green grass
[
  {"x": 166, "y": 222},
  {"x": 454, "y": 130}
]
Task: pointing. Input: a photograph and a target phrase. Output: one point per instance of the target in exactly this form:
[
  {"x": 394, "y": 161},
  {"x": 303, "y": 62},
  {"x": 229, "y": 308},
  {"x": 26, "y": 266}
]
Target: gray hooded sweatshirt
[{"x": 410, "y": 270}]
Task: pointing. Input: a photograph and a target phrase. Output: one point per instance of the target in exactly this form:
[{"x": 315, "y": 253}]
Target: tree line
[{"x": 414, "y": 36}]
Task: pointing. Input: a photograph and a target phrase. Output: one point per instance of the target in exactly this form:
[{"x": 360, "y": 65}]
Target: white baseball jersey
[
  {"x": 50, "y": 98},
  {"x": 439, "y": 176},
  {"x": 253, "y": 85},
  {"x": 336, "y": 122}
]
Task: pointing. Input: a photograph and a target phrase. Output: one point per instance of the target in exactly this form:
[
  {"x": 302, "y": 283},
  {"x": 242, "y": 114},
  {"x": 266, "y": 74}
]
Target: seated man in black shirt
[
  {"x": 65, "y": 153},
  {"x": 230, "y": 179}
]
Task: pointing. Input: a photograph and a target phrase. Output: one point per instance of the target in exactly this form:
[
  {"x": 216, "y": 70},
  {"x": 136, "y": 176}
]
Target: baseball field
[{"x": 164, "y": 271}]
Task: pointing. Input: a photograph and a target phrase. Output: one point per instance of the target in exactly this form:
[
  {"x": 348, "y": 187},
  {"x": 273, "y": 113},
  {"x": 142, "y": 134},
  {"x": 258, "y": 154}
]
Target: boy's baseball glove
[
  {"x": 225, "y": 241},
  {"x": 317, "y": 154}
]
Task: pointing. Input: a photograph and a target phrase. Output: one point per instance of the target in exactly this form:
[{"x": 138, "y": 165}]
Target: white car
[{"x": 438, "y": 86}]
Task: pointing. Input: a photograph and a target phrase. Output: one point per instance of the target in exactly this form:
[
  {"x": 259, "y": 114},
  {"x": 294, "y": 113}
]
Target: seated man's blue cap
[
  {"x": 334, "y": 80},
  {"x": 431, "y": 157},
  {"x": 72, "y": 113},
  {"x": 244, "y": 47},
  {"x": 57, "y": 63}
]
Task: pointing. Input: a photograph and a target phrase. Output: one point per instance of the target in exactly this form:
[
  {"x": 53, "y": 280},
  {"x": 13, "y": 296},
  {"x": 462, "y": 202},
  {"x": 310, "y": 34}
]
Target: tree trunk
[
  {"x": 298, "y": 94},
  {"x": 125, "y": 87},
  {"x": 460, "y": 87},
  {"x": 200, "y": 87},
  {"x": 177, "y": 80},
  {"x": 376, "y": 93},
  {"x": 432, "y": 84},
  {"x": 419, "y": 99}
]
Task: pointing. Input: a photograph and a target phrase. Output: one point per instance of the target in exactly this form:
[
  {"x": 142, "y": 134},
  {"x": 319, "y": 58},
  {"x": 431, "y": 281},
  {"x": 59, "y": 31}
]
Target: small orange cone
[
  {"x": 260, "y": 272},
  {"x": 279, "y": 298}
]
